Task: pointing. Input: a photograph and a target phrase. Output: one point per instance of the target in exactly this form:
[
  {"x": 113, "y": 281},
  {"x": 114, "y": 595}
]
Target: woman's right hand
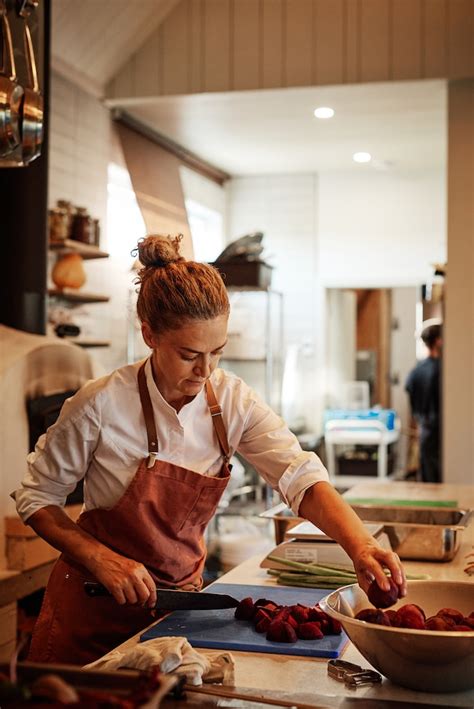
[{"x": 127, "y": 580}]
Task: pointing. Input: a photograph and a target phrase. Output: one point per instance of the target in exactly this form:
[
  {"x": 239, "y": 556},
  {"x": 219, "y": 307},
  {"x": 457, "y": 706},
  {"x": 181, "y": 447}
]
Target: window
[
  {"x": 206, "y": 231},
  {"x": 125, "y": 223}
]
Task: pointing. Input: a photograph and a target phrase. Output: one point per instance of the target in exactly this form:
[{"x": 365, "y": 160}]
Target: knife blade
[{"x": 170, "y": 600}]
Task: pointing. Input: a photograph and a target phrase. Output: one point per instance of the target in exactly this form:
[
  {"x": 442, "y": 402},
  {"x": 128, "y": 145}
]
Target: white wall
[
  {"x": 381, "y": 229},
  {"x": 284, "y": 208},
  {"x": 81, "y": 146},
  {"x": 341, "y": 318},
  {"x": 402, "y": 359}
]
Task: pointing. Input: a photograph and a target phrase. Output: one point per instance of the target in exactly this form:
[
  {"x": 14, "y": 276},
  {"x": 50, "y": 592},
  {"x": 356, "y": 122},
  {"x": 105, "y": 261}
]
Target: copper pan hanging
[
  {"x": 11, "y": 93},
  {"x": 32, "y": 111}
]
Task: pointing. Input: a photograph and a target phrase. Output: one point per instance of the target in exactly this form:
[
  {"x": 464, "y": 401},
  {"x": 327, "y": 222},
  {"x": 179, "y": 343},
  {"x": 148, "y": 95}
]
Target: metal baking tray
[
  {"x": 283, "y": 520},
  {"x": 426, "y": 534}
]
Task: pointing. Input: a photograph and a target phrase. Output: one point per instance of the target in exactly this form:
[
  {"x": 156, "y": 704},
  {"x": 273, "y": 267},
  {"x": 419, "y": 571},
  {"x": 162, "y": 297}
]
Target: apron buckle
[{"x": 151, "y": 459}]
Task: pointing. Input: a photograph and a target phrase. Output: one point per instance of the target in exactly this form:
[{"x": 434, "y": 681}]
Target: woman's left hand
[{"x": 370, "y": 560}]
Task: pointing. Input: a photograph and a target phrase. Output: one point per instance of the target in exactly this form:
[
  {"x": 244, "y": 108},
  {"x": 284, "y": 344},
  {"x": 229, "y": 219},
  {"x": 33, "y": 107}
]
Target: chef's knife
[{"x": 169, "y": 600}]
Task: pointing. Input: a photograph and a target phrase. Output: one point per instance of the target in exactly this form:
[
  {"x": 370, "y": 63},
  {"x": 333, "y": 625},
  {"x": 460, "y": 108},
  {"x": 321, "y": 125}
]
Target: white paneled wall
[
  {"x": 284, "y": 208},
  {"x": 80, "y": 147}
]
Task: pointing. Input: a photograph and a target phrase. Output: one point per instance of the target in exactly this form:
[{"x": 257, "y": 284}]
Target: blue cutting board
[{"x": 219, "y": 629}]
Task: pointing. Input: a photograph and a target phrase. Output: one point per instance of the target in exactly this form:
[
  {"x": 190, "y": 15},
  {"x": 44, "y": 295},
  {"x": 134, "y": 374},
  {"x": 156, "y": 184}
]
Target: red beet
[
  {"x": 469, "y": 620},
  {"x": 266, "y": 605},
  {"x": 393, "y": 618},
  {"x": 309, "y": 631},
  {"x": 335, "y": 628},
  {"x": 436, "y": 622},
  {"x": 263, "y": 625},
  {"x": 281, "y": 632},
  {"x": 320, "y": 617},
  {"x": 373, "y": 615},
  {"x": 380, "y": 598},
  {"x": 452, "y": 614},
  {"x": 284, "y": 615},
  {"x": 291, "y": 621},
  {"x": 410, "y": 616},
  {"x": 261, "y": 615},
  {"x": 245, "y": 610},
  {"x": 420, "y": 609},
  {"x": 412, "y": 607},
  {"x": 300, "y": 613},
  {"x": 461, "y": 628}
]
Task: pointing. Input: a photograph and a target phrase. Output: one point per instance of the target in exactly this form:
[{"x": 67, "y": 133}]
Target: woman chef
[{"x": 153, "y": 441}]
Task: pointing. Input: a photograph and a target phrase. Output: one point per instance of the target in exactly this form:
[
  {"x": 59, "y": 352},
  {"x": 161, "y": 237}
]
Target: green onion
[{"x": 312, "y": 568}]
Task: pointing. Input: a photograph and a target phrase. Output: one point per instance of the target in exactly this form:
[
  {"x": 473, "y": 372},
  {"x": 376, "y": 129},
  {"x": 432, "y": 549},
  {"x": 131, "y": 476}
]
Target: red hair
[{"x": 173, "y": 291}]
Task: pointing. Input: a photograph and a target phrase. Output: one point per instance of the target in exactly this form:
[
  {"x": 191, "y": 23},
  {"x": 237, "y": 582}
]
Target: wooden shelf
[
  {"x": 88, "y": 343},
  {"x": 77, "y": 296},
  {"x": 69, "y": 246}
]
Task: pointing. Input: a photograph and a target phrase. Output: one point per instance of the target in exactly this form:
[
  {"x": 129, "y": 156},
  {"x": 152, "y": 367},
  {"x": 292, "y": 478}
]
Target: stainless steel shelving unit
[
  {"x": 272, "y": 361},
  {"x": 272, "y": 364}
]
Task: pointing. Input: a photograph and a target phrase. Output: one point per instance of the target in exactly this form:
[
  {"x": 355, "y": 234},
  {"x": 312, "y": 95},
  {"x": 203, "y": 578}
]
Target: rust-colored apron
[{"x": 159, "y": 521}]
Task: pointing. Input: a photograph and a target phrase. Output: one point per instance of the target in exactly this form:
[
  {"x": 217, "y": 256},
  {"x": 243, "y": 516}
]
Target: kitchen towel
[{"x": 171, "y": 654}]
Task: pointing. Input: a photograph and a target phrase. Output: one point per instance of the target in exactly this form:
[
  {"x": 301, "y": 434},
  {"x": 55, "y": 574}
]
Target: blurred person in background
[{"x": 424, "y": 389}]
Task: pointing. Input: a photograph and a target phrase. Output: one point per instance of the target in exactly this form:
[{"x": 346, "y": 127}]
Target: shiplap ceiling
[
  {"x": 93, "y": 39},
  {"x": 402, "y": 124}
]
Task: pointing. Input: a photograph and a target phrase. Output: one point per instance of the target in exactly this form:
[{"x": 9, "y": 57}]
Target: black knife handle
[{"x": 95, "y": 590}]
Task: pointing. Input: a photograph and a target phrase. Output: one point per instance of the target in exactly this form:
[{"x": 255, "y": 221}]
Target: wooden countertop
[
  {"x": 463, "y": 494},
  {"x": 295, "y": 675}
]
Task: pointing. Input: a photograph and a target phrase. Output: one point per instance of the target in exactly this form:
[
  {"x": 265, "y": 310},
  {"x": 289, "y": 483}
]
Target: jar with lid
[
  {"x": 58, "y": 224},
  {"x": 83, "y": 226},
  {"x": 70, "y": 211},
  {"x": 96, "y": 232}
]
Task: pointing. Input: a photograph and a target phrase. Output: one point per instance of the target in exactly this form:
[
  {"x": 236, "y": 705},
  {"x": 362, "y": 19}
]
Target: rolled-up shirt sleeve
[
  {"x": 60, "y": 459},
  {"x": 274, "y": 451}
]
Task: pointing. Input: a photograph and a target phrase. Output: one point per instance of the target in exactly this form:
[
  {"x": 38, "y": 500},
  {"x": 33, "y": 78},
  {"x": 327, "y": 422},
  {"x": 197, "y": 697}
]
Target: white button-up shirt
[{"x": 100, "y": 436}]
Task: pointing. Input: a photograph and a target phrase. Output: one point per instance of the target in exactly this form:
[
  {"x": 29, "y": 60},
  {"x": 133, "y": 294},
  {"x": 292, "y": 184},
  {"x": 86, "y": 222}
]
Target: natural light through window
[
  {"x": 206, "y": 230},
  {"x": 124, "y": 218}
]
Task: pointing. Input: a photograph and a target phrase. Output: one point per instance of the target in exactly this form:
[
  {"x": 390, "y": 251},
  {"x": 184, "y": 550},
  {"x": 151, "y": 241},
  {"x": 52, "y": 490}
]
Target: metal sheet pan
[{"x": 426, "y": 534}]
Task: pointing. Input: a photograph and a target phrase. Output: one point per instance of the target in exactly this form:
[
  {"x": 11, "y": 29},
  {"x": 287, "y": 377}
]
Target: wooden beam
[{"x": 188, "y": 158}]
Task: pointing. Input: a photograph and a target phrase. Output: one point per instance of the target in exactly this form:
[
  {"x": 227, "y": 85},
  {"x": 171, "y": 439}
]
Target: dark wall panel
[{"x": 24, "y": 209}]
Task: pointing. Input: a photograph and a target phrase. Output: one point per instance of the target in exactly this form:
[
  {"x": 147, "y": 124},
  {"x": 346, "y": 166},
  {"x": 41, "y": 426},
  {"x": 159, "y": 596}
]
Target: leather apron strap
[
  {"x": 217, "y": 420},
  {"x": 147, "y": 406}
]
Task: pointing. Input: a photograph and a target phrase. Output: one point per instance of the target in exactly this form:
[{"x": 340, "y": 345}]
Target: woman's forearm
[
  {"x": 126, "y": 579},
  {"x": 323, "y": 506},
  {"x": 52, "y": 524}
]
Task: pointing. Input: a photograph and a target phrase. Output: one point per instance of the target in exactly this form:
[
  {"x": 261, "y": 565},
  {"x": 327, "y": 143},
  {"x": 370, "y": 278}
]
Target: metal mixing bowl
[{"x": 425, "y": 660}]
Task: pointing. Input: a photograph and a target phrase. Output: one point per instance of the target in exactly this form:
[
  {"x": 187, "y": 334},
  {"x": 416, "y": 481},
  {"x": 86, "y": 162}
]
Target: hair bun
[{"x": 158, "y": 251}]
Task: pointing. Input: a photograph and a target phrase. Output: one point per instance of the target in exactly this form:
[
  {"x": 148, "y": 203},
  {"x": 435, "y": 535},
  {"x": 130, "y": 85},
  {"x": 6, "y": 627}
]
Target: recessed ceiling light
[
  {"x": 324, "y": 112},
  {"x": 362, "y": 157}
]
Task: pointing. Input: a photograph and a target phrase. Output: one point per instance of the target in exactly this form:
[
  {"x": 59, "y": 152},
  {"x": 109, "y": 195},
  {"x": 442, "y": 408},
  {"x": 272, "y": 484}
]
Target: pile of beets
[
  {"x": 410, "y": 615},
  {"x": 284, "y": 624}
]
